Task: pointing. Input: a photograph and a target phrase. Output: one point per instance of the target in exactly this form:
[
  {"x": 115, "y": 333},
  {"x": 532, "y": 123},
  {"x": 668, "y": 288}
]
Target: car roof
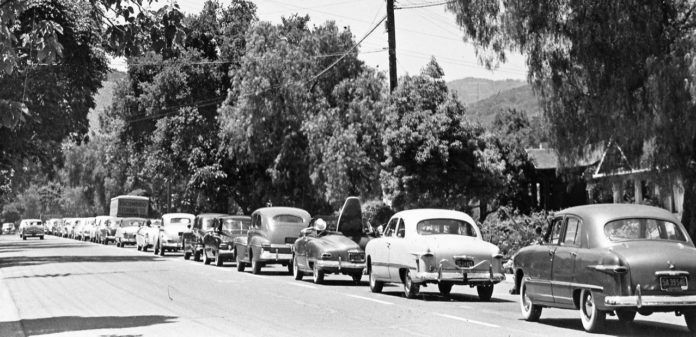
[
  {"x": 419, "y": 214},
  {"x": 211, "y": 215},
  {"x": 177, "y": 215},
  {"x": 603, "y": 213}
]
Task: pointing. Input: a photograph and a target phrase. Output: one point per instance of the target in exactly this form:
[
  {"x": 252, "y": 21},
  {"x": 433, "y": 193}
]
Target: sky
[{"x": 420, "y": 34}]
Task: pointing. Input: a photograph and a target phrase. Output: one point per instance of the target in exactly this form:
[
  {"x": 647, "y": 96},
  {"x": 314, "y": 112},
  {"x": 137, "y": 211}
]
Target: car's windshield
[
  {"x": 178, "y": 221},
  {"x": 643, "y": 229},
  {"x": 445, "y": 226},
  {"x": 236, "y": 224},
  {"x": 34, "y": 223},
  {"x": 208, "y": 223}
]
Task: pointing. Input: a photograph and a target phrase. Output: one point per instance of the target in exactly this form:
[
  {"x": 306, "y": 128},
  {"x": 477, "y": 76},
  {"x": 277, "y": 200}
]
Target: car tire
[
  {"x": 24, "y": 237},
  {"x": 161, "y": 249},
  {"x": 290, "y": 271},
  {"x": 255, "y": 266},
  {"x": 41, "y": 237},
  {"x": 591, "y": 317},
  {"x": 197, "y": 256},
  {"x": 375, "y": 286},
  {"x": 690, "y": 319},
  {"x": 317, "y": 274},
  {"x": 218, "y": 260},
  {"x": 144, "y": 247},
  {"x": 187, "y": 255},
  {"x": 118, "y": 244},
  {"x": 625, "y": 316},
  {"x": 240, "y": 263},
  {"x": 296, "y": 272},
  {"x": 357, "y": 277},
  {"x": 530, "y": 311},
  {"x": 485, "y": 292},
  {"x": 206, "y": 260},
  {"x": 444, "y": 288},
  {"x": 411, "y": 288}
]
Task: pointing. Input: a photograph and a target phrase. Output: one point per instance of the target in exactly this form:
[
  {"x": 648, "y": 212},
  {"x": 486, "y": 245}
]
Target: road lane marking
[
  {"x": 298, "y": 284},
  {"x": 369, "y": 299},
  {"x": 467, "y": 320}
]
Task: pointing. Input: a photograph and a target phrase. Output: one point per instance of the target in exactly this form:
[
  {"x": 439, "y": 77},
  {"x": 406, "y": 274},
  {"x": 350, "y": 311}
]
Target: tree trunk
[{"x": 689, "y": 215}]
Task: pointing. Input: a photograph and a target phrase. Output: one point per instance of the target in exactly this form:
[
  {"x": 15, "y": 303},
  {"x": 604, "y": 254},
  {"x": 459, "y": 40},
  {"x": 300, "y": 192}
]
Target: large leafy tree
[
  {"x": 435, "y": 157},
  {"x": 605, "y": 70},
  {"x": 281, "y": 83}
]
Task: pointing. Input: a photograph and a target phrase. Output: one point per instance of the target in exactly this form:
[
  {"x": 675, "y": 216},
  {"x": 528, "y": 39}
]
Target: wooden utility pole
[{"x": 392, "y": 45}]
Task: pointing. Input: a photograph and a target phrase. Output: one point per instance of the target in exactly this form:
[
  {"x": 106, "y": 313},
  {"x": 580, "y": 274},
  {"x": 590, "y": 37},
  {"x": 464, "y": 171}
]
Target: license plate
[
  {"x": 464, "y": 263},
  {"x": 673, "y": 283}
]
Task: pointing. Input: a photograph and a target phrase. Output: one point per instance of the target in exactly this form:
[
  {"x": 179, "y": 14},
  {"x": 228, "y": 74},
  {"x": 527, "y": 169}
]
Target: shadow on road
[
  {"x": 18, "y": 261},
  {"x": 6, "y": 247},
  {"x": 617, "y": 328},
  {"x": 437, "y": 297},
  {"x": 44, "y": 326}
]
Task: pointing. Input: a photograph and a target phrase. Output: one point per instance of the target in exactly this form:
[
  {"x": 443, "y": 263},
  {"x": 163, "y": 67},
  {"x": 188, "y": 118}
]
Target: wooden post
[
  {"x": 391, "y": 36},
  {"x": 638, "y": 190},
  {"x": 616, "y": 190}
]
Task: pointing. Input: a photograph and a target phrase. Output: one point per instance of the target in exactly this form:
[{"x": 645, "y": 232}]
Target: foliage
[
  {"x": 12, "y": 212},
  {"x": 511, "y": 230},
  {"x": 434, "y": 156},
  {"x": 376, "y": 212},
  {"x": 274, "y": 91}
]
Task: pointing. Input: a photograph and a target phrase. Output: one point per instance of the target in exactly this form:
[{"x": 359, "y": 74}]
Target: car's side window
[
  {"x": 400, "y": 229},
  {"x": 556, "y": 228},
  {"x": 572, "y": 233},
  {"x": 391, "y": 227}
]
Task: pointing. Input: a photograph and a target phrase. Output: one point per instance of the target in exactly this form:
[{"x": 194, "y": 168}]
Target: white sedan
[{"x": 437, "y": 246}]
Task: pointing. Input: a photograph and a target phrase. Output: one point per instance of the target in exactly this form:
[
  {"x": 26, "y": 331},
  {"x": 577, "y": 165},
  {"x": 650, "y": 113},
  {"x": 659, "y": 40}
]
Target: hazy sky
[{"x": 420, "y": 34}]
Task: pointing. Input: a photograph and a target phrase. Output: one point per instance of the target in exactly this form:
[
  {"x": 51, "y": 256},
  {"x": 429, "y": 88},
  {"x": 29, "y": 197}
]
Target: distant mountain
[
  {"x": 470, "y": 90},
  {"x": 520, "y": 98},
  {"x": 104, "y": 97}
]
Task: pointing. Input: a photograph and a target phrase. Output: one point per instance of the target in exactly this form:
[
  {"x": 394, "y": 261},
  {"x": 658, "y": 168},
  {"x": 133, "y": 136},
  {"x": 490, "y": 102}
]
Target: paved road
[{"x": 61, "y": 287}]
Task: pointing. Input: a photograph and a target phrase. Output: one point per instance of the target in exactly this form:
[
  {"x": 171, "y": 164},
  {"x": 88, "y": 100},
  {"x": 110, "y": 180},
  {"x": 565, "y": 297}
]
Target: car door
[
  {"x": 301, "y": 246},
  {"x": 395, "y": 250},
  {"x": 380, "y": 257},
  {"x": 540, "y": 263},
  {"x": 563, "y": 267}
]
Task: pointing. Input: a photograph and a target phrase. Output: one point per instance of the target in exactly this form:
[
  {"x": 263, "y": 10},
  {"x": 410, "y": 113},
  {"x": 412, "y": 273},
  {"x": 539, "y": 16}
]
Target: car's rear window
[
  {"x": 184, "y": 221},
  {"x": 643, "y": 229},
  {"x": 287, "y": 218},
  {"x": 236, "y": 224},
  {"x": 445, "y": 226}
]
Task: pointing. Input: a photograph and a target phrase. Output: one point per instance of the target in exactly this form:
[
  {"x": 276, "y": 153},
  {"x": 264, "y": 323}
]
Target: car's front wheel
[
  {"x": 530, "y": 311},
  {"x": 375, "y": 286},
  {"x": 255, "y": 265},
  {"x": 187, "y": 255},
  {"x": 592, "y": 318},
  {"x": 206, "y": 260},
  {"x": 444, "y": 288},
  {"x": 296, "y": 272},
  {"x": 240, "y": 263},
  {"x": 218, "y": 260},
  {"x": 690, "y": 318},
  {"x": 317, "y": 274},
  {"x": 411, "y": 288}
]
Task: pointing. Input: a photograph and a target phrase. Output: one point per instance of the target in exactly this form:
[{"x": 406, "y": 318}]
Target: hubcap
[{"x": 589, "y": 306}]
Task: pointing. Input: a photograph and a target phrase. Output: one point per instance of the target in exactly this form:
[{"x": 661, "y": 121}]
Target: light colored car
[
  {"x": 104, "y": 229},
  {"x": 173, "y": 226},
  {"x": 126, "y": 231},
  {"x": 67, "y": 229},
  {"x": 31, "y": 228},
  {"x": 87, "y": 229},
  {"x": 8, "y": 228},
  {"x": 76, "y": 229},
  {"x": 271, "y": 237},
  {"x": 604, "y": 259},
  {"x": 442, "y": 247}
]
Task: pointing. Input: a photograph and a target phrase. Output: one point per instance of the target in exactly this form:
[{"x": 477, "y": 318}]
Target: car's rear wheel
[
  {"x": 375, "y": 286},
  {"x": 690, "y": 318},
  {"x": 592, "y": 318},
  {"x": 444, "y": 288},
  {"x": 218, "y": 260},
  {"x": 144, "y": 247},
  {"x": 626, "y": 315},
  {"x": 357, "y": 276},
  {"x": 206, "y": 260},
  {"x": 485, "y": 292},
  {"x": 240, "y": 263},
  {"x": 296, "y": 272},
  {"x": 317, "y": 274},
  {"x": 24, "y": 237},
  {"x": 255, "y": 265},
  {"x": 530, "y": 311},
  {"x": 41, "y": 237},
  {"x": 196, "y": 256},
  {"x": 411, "y": 288},
  {"x": 187, "y": 255}
]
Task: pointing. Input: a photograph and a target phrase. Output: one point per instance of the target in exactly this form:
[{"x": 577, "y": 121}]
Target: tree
[
  {"x": 435, "y": 157},
  {"x": 274, "y": 91},
  {"x": 606, "y": 71}
]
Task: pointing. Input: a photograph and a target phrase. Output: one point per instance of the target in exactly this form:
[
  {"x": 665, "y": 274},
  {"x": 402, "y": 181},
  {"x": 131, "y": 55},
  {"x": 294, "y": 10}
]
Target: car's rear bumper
[
  {"x": 639, "y": 301},
  {"x": 460, "y": 277},
  {"x": 274, "y": 257}
]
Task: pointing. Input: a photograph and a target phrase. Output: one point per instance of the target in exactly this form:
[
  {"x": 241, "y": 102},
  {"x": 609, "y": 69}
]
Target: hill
[
  {"x": 521, "y": 98},
  {"x": 104, "y": 97},
  {"x": 470, "y": 90}
]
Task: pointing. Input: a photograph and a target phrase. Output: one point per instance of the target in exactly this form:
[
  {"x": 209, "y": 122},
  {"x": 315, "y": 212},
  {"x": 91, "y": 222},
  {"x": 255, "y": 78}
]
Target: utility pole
[{"x": 392, "y": 45}]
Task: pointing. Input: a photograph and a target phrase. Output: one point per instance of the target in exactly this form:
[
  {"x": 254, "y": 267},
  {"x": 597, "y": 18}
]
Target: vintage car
[
  {"x": 270, "y": 239},
  {"x": 88, "y": 229},
  {"x": 51, "y": 226},
  {"x": 8, "y": 228},
  {"x": 68, "y": 227},
  {"x": 104, "y": 229},
  {"x": 444, "y": 247},
  {"x": 31, "y": 228},
  {"x": 146, "y": 234},
  {"x": 171, "y": 229},
  {"x": 320, "y": 251},
  {"x": 609, "y": 258},
  {"x": 218, "y": 244},
  {"x": 126, "y": 230},
  {"x": 192, "y": 240}
]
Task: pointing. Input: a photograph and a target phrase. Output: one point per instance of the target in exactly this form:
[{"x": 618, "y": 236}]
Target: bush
[
  {"x": 511, "y": 231},
  {"x": 376, "y": 213}
]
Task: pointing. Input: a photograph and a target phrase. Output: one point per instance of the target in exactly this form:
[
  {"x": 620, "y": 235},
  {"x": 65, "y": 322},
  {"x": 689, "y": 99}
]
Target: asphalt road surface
[{"x": 62, "y": 287}]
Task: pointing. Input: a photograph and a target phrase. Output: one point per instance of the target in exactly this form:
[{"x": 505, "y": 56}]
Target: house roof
[{"x": 543, "y": 158}]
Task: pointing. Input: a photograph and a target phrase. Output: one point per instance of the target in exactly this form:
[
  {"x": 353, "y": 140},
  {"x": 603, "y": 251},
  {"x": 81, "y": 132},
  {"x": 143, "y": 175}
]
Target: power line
[{"x": 424, "y": 5}]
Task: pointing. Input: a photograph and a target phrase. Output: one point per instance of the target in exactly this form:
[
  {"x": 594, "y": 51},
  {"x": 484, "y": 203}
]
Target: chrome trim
[{"x": 640, "y": 301}]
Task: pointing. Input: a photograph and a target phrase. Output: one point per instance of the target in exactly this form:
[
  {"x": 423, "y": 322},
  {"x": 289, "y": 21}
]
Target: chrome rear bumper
[{"x": 639, "y": 301}]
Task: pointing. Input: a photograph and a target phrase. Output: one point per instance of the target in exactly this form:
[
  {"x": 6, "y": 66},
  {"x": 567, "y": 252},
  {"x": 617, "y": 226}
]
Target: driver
[{"x": 320, "y": 226}]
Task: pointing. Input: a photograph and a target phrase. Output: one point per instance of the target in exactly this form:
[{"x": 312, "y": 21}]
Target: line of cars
[{"x": 600, "y": 260}]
